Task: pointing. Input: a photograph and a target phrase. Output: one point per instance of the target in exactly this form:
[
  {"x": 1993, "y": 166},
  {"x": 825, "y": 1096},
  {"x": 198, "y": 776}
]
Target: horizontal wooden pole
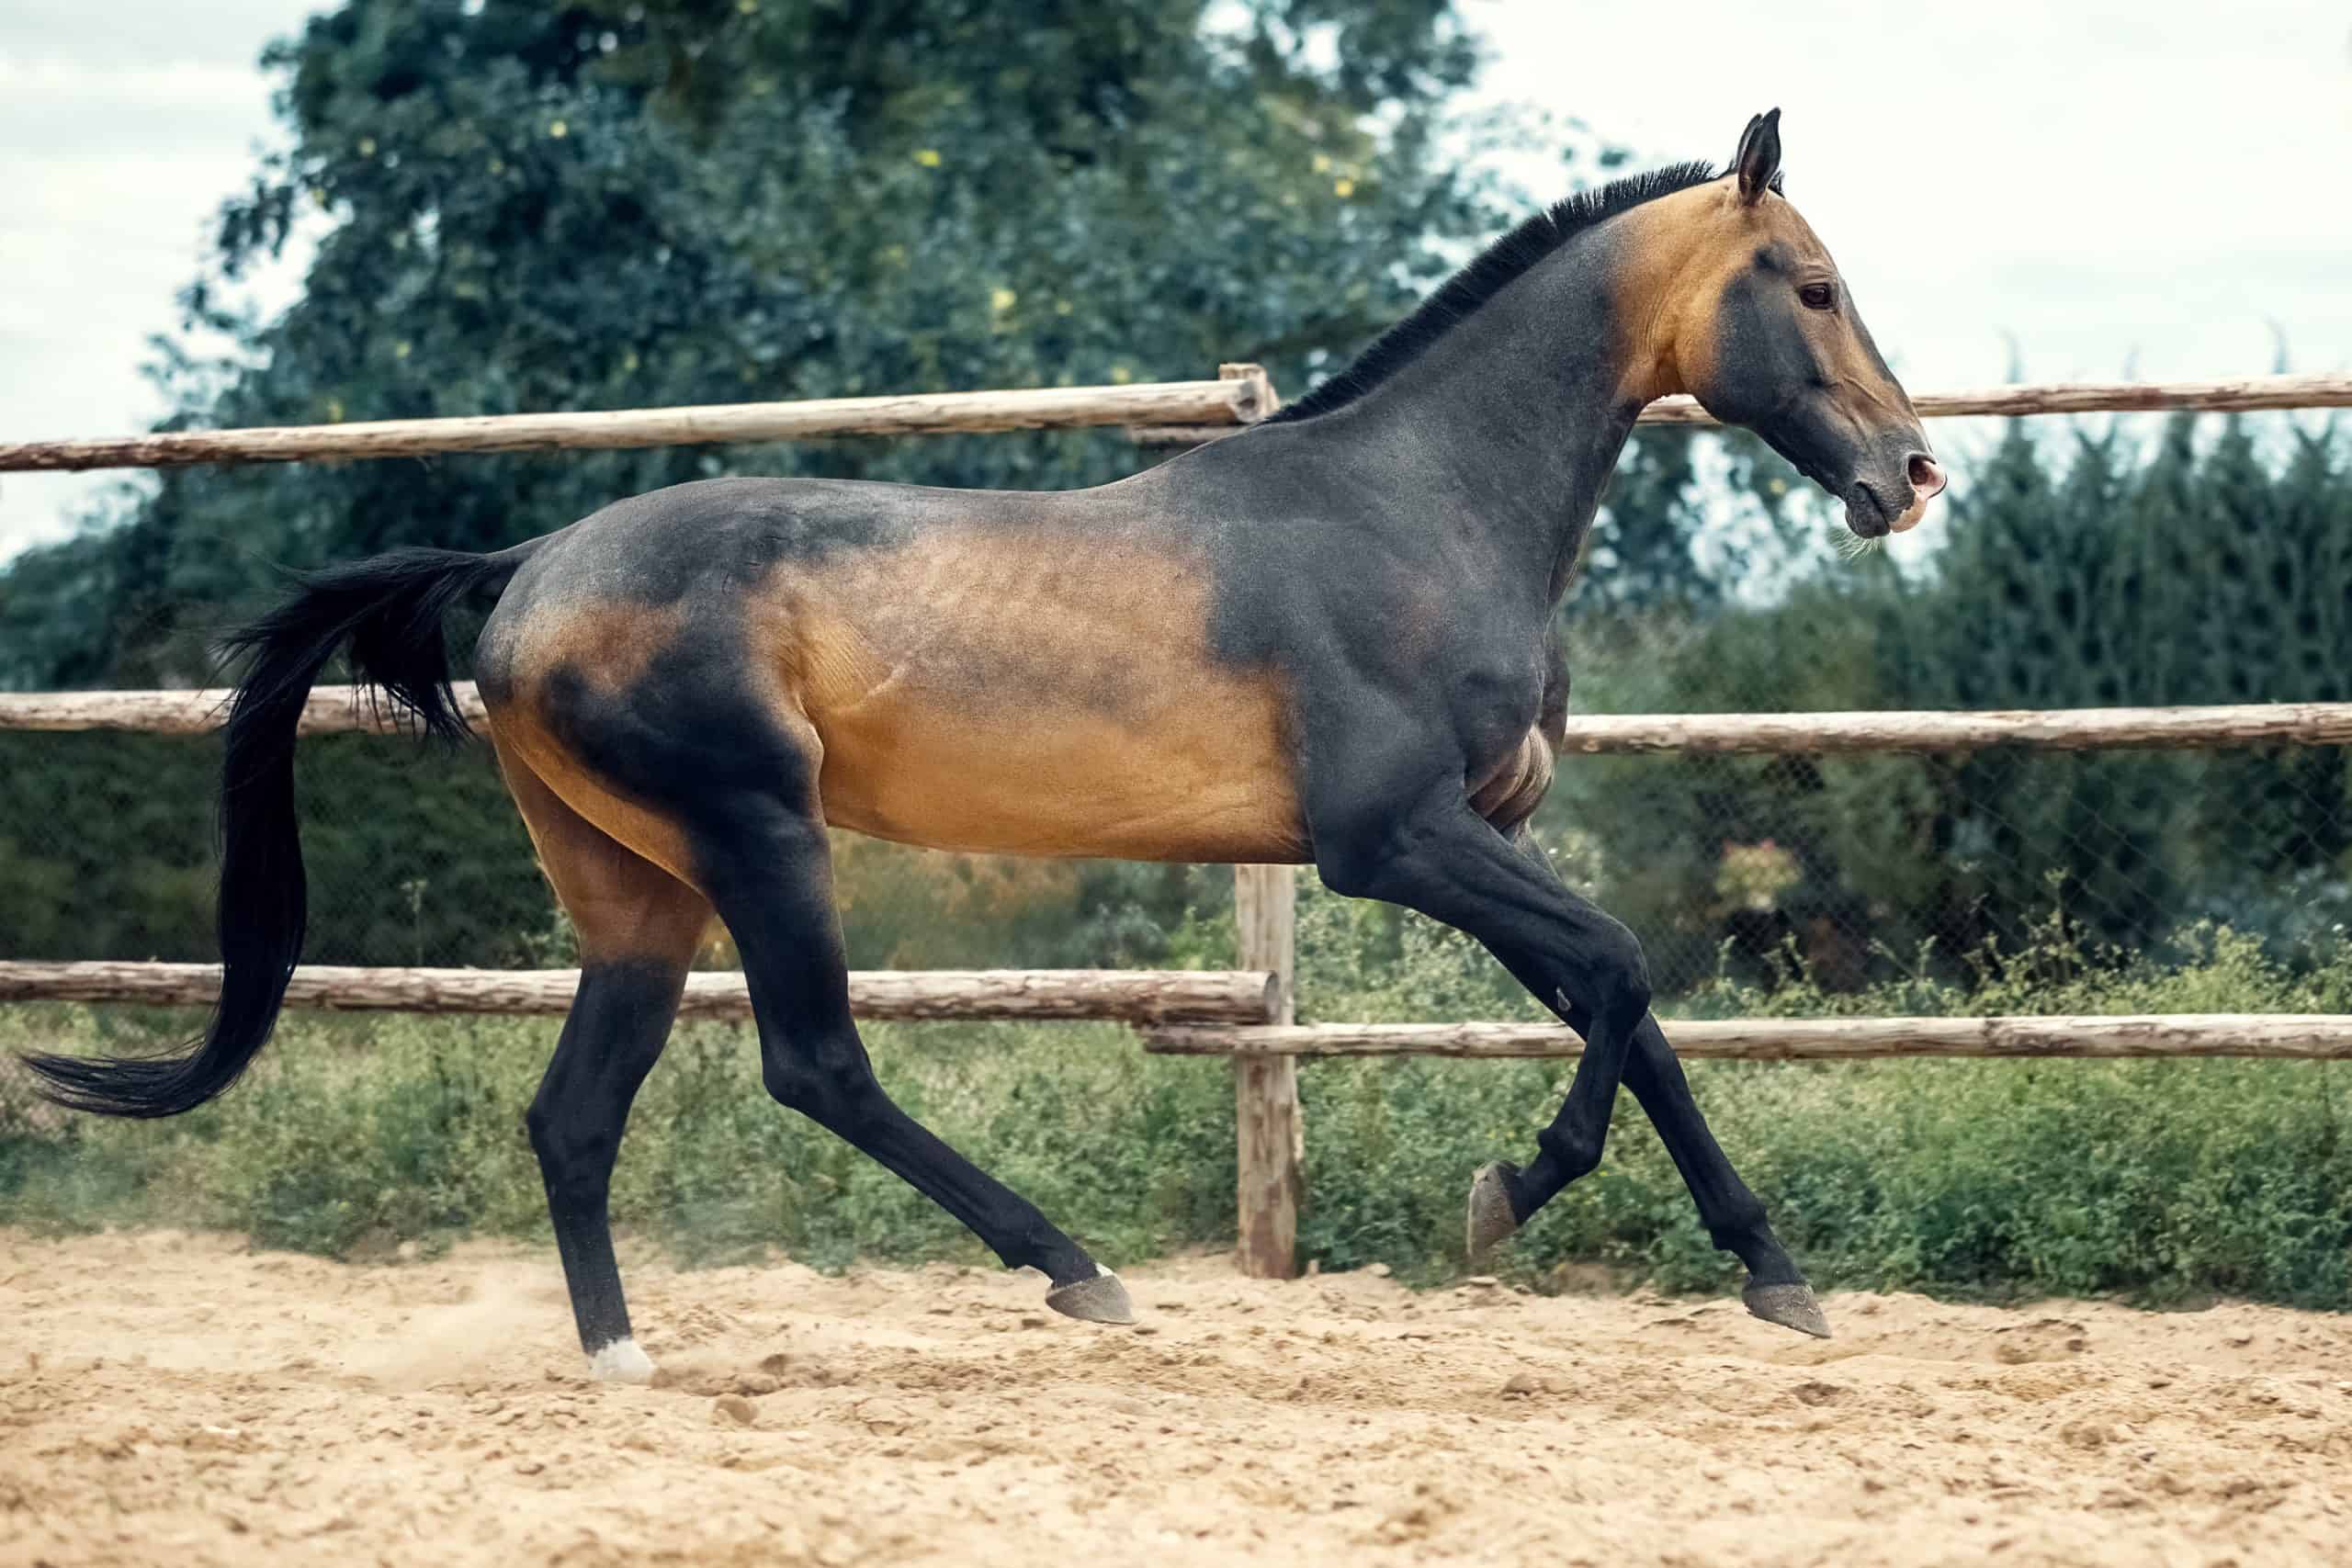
[
  {"x": 1126, "y": 995},
  {"x": 2242, "y": 394},
  {"x": 329, "y": 710},
  {"x": 1234, "y": 399},
  {"x": 340, "y": 710},
  {"x": 2061, "y": 729},
  {"x": 2297, "y": 1035},
  {"x": 1163, "y": 412}
]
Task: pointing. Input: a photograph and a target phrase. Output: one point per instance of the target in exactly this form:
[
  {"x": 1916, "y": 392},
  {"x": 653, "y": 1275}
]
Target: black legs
[
  {"x": 1734, "y": 1218},
  {"x": 620, "y": 1021},
  {"x": 1448, "y": 863},
  {"x": 769, "y": 875}
]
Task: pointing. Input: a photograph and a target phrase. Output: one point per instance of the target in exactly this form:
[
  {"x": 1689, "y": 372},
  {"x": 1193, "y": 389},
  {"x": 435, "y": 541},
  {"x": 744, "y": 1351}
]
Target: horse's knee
[
  {"x": 792, "y": 1083},
  {"x": 831, "y": 1087},
  {"x": 1616, "y": 975}
]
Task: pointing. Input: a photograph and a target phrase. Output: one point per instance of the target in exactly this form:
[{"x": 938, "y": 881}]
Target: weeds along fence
[{"x": 1248, "y": 1013}]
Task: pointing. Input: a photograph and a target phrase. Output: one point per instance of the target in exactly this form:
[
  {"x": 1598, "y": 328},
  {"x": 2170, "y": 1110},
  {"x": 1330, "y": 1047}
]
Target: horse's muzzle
[{"x": 1928, "y": 480}]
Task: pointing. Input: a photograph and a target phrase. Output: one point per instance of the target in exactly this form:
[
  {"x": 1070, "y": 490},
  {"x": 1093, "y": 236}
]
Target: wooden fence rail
[
  {"x": 1163, "y": 412},
  {"x": 2326, "y": 1036},
  {"x": 343, "y": 710},
  {"x": 1238, "y": 397},
  {"x": 2242, "y": 394},
  {"x": 1123, "y": 996},
  {"x": 2049, "y": 729}
]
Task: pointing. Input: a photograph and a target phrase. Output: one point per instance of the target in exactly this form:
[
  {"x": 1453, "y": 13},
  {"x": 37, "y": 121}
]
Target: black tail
[{"x": 389, "y": 609}]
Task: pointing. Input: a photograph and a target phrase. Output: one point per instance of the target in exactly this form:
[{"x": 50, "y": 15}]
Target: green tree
[
  {"x": 616, "y": 203},
  {"x": 603, "y": 205}
]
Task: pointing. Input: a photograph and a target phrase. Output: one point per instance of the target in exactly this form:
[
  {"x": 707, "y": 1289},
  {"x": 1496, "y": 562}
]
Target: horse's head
[{"x": 1755, "y": 322}]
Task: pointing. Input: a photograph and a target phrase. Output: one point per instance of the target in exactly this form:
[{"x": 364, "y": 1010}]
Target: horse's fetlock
[{"x": 1738, "y": 1225}]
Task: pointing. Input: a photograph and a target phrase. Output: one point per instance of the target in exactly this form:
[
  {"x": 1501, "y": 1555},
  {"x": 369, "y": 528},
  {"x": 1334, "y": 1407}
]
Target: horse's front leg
[
  {"x": 1736, "y": 1221},
  {"x": 1440, "y": 858}
]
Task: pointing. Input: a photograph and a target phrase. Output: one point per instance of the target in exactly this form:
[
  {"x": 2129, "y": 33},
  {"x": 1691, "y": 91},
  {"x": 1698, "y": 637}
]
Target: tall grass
[{"x": 2160, "y": 1180}]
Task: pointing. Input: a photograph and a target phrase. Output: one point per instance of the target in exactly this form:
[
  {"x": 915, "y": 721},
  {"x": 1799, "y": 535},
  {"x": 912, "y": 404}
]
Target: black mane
[{"x": 1484, "y": 277}]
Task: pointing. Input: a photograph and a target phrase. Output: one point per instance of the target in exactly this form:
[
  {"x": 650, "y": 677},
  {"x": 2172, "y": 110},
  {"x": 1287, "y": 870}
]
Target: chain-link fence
[
  {"x": 1854, "y": 869},
  {"x": 1858, "y": 867}
]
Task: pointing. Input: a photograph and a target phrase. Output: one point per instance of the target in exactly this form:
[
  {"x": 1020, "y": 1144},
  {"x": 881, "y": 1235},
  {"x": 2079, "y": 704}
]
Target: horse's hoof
[
  {"x": 1100, "y": 1300},
  {"x": 1790, "y": 1306},
  {"x": 1490, "y": 1219},
  {"x": 621, "y": 1362}
]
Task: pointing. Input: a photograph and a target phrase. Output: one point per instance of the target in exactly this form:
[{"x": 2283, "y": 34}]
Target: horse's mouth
[{"x": 1869, "y": 516}]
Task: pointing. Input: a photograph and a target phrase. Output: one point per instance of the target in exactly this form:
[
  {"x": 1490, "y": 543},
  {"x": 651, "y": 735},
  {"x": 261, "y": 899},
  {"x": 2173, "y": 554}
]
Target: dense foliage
[{"x": 522, "y": 207}]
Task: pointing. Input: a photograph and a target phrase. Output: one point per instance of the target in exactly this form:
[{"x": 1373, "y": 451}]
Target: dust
[
  {"x": 503, "y": 1300},
  {"x": 182, "y": 1398}
]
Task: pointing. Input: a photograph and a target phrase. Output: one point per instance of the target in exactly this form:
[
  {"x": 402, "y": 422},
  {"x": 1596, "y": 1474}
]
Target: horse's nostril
[{"x": 1927, "y": 475}]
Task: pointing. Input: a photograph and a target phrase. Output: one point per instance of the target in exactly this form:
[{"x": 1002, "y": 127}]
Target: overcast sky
[{"x": 2150, "y": 185}]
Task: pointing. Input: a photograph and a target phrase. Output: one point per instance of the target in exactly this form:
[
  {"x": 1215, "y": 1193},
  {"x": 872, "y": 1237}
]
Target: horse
[{"x": 1327, "y": 639}]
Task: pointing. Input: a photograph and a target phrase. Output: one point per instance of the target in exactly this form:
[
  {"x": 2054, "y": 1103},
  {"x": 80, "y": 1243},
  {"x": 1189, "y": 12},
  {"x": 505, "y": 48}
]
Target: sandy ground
[{"x": 181, "y": 1399}]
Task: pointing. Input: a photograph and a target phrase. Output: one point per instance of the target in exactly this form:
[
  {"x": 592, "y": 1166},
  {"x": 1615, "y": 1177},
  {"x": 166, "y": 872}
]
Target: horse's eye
[{"x": 1817, "y": 296}]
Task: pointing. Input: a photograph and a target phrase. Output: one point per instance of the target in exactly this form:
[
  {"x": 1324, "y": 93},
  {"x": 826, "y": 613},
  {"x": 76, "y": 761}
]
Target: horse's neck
[{"x": 1512, "y": 422}]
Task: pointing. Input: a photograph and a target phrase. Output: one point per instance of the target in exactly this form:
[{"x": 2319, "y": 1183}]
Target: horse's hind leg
[
  {"x": 638, "y": 927},
  {"x": 767, "y": 867}
]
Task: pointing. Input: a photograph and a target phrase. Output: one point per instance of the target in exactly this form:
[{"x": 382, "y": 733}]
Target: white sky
[{"x": 2148, "y": 186}]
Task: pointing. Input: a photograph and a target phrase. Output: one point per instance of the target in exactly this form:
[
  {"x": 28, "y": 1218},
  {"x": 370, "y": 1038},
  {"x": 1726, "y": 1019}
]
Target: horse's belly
[
  {"x": 1037, "y": 693},
  {"x": 1211, "y": 781}
]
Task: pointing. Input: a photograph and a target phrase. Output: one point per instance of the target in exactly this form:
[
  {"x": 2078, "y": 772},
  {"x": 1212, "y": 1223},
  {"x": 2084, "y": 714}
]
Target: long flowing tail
[{"x": 388, "y": 610}]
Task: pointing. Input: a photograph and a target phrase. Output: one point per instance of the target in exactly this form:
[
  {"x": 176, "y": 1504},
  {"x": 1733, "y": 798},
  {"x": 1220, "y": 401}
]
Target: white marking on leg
[{"x": 621, "y": 1362}]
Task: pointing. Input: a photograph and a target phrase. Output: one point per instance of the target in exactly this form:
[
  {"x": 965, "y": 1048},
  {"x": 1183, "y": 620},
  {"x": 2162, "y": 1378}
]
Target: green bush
[
  {"x": 2160, "y": 1180},
  {"x": 353, "y": 1134}
]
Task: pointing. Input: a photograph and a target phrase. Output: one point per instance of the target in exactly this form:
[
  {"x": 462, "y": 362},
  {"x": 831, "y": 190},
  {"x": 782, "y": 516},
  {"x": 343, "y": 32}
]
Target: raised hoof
[
  {"x": 1490, "y": 1218},
  {"x": 621, "y": 1362},
  {"x": 1790, "y": 1306},
  {"x": 1100, "y": 1300}
]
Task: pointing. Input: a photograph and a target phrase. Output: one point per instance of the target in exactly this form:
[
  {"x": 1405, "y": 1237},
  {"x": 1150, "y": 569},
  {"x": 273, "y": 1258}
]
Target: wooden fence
[
  {"x": 1123, "y": 996},
  {"x": 1241, "y": 394},
  {"x": 1248, "y": 1014},
  {"x": 2326, "y": 1036},
  {"x": 1159, "y": 412},
  {"x": 345, "y": 710},
  {"x": 2242, "y": 394}
]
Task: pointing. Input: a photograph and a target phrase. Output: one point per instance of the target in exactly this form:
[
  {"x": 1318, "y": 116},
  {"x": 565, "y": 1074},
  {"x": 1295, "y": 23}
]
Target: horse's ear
[{"x": 1759, "y": 157}]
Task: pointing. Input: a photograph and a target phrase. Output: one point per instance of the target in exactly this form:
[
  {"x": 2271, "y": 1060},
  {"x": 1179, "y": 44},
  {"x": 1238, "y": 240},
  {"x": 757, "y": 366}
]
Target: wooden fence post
[{"x": 1270, "y": 1138}]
